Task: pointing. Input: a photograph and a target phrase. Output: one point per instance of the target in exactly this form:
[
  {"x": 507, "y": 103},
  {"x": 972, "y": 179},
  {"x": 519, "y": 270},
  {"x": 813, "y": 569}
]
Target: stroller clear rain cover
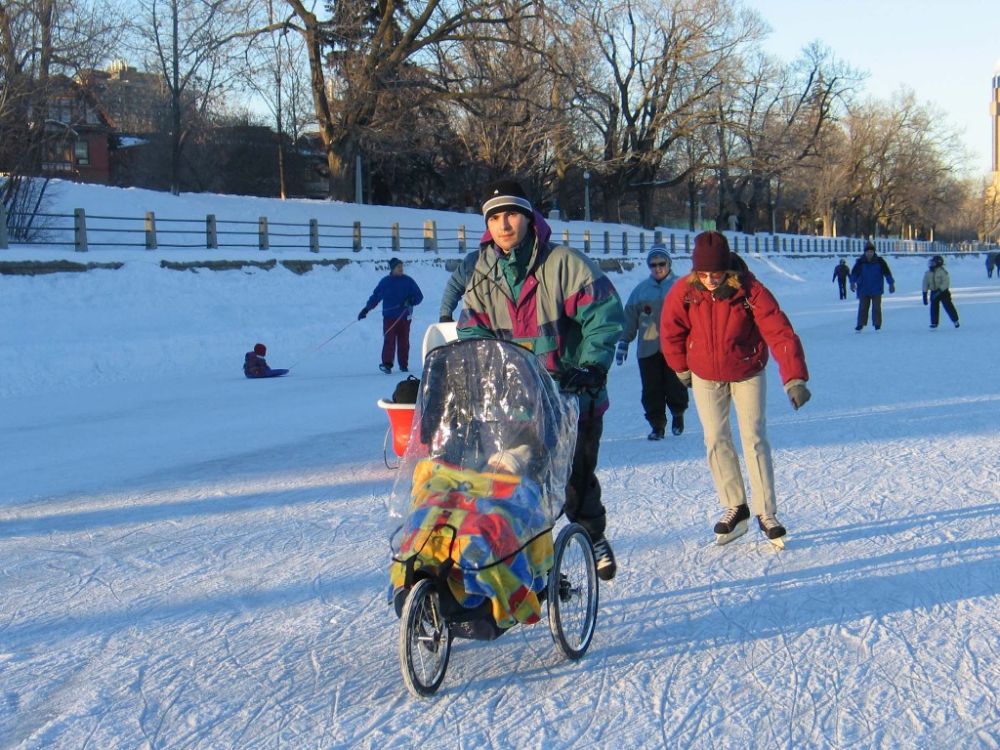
[{"x": 485, "y": 470}]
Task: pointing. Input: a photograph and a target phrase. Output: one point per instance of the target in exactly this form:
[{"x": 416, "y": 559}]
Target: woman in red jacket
[{"x": 716, "y": 328}]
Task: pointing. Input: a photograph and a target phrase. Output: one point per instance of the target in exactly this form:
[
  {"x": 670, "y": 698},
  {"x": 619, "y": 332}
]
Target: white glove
[
  {"x": 510, "y": 461},
  {"x": 621, "y": 352}
]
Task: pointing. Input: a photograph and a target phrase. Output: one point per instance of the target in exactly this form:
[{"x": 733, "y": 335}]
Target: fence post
[
  {"x": 430, "y": 236},
  {"x": 150, "y": 230},
  {"x": 313, "y": 235},
  {"x": 673, "y": 243},
  {"x": 642, "y": 243},
  {"x": 658, "y": 237},
  {"x": 624, "y": 243},
  {"x": 687, "y": 243},
  {"x": 607, "y": 242},
  {"x": 356, "y": 237},
  {"x": 395, "y": 236},
  {"x": 3, "y": 227},
  {"x": 565, "y": 240},
  {"x": 80, "y": 230},
  {"x": 211, "y": 233},
  {"x": 586, "y": 241},
  {"x": 263, "y": 240},
  {"x": 461, "y": 239}
]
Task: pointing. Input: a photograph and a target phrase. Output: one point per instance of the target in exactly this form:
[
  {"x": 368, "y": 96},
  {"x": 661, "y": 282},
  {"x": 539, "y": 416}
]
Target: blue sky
[{"x": 945, "y": 51}]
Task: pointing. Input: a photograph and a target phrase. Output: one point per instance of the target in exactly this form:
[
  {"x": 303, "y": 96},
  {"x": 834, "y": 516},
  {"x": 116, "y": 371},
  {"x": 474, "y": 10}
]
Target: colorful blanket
[{"x": 492, "y": 526}]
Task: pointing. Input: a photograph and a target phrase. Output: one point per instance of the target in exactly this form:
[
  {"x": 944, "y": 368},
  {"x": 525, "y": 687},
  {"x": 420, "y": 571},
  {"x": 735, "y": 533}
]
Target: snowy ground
[{"x": 194, "y": 560}]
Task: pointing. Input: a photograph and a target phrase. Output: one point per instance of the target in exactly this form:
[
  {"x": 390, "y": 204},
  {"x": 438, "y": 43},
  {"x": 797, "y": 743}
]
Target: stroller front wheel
[
  {"x": 424, "y": 640},
  {"x": 572, "y": 593}
]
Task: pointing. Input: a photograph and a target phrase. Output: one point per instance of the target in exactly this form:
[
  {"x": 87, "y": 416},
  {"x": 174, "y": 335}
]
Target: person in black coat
[{"x": 841, "y": 272}]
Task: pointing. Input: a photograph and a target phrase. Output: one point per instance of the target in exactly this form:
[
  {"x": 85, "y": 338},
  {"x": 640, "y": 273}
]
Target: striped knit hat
[{"x": 506, "y": 195}]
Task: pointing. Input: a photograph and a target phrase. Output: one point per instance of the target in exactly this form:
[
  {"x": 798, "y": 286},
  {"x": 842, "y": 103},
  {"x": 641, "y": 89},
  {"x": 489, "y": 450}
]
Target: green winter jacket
[{"x": 552, "y": 300}]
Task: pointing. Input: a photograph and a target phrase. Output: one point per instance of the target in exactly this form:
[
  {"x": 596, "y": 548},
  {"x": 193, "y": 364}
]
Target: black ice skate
[
  {"x": 732, "y": 525},
  {"x": 604, "y": 558},
  {"x": 773, "y": 530}
]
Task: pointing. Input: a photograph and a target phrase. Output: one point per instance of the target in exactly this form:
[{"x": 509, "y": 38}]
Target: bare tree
[
  {"x": 196, "y": 45},
  {"x": 276, "y": 72},
  {"x": 660, "y": 63},
  {"x": 772, "y": 124},
  {"x": 43, "y": 44},
  {"x": 378, "y": 47}
]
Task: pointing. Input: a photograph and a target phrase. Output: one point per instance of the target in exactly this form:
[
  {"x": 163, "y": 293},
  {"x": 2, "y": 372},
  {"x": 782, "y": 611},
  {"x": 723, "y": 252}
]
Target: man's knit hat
[
  {"x": 711, "y": 253},
  {"x": 260, "y": 350},
  {"x": 393, "y": 262},
  {"x": 506, "y": 195}
]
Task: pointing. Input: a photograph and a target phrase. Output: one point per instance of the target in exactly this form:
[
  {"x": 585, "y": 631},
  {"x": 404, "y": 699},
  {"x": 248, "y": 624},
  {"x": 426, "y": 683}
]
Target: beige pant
[{"x": 713, "y": 400}]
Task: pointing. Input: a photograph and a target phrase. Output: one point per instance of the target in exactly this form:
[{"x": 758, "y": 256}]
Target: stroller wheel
[
  {"x": 424, "y": 640},
  {"x": 572, "y": 593}
]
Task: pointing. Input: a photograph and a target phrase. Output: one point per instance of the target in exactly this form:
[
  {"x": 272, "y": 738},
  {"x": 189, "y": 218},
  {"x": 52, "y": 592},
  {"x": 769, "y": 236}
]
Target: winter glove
[
  {"x": 798, "y": 394},
  {"x": 892, "y": 288},
  {"x": 363, "y": 313},
  {"x": 854, "y": 288},
  {"x": 586, "y": 378},
  {"x": 446, "y": 319},
  {"x": 925, "y": 298},
  {"x": 685, "y": 377},
  {"x": 621, "y": 352}
]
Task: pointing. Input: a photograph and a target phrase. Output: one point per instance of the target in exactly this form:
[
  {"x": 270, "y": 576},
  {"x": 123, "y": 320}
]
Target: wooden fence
[{"x": 149, "y": 232}]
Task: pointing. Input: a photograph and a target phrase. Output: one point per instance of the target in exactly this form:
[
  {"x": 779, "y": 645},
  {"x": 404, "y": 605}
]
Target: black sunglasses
[{"x": 661, "y": 264}]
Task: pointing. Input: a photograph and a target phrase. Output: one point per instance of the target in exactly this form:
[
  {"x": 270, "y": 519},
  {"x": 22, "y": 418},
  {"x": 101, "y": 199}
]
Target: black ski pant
[
  {"x": 876, "y": 304},
  {"x": 942, "y": 298},
  {"x": 661, "y": 390},
  {"x": 583, "y": 494},
  {"x": 842, "y": 285}
]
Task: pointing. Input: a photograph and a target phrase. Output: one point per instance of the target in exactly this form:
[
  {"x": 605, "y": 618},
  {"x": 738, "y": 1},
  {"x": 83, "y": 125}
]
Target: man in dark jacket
[
  {"x": 868, "y": 279},
  {"x": 840, "y": 274},
  {"x": 398, "y": 294}
]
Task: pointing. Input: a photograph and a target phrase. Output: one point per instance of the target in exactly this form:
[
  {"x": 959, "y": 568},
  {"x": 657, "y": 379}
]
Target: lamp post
[{"x": 586, "y": 196}]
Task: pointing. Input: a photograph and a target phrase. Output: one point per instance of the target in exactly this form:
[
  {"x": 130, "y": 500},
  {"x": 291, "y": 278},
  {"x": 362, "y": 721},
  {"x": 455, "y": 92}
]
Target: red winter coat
[{"x": 718, "y": 338}]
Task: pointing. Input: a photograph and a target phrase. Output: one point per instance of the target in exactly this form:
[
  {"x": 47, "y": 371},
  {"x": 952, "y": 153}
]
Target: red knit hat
[
  {"x": 260, "y": 350},
  {"x": 711, "y": 253}
]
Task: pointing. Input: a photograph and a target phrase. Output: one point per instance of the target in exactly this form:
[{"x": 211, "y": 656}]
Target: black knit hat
[
  {"x": 393, "y": 262},
  {"x": 506, "y": 195}
]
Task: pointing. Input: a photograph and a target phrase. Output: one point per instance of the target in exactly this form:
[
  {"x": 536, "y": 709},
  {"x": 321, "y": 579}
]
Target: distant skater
[
  {"x": 868, "y": 279},
  {"x": 936, "y": 283},
  {"x": 841, "y": 272}
]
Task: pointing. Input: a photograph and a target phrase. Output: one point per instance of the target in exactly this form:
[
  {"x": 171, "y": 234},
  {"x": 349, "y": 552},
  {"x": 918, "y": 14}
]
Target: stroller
[{"x": 479, "y": 489}]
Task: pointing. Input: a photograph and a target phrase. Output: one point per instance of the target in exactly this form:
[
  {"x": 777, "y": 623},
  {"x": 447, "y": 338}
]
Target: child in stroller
[{"x": 480, "y": 487}]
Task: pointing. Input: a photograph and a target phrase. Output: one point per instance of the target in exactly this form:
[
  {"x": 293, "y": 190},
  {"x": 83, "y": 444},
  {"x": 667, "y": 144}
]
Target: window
[{"x": 81, "y": 151}]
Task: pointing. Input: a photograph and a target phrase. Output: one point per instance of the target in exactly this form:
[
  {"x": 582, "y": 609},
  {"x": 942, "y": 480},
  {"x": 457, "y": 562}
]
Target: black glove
[
  {"x": 892, "y": 288},
  {"x": 586, "y": 378},
  {"x": 363, "y": 313},
  {"x": 446, "y": 319},
  {"x": 925, "y": 298}
]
